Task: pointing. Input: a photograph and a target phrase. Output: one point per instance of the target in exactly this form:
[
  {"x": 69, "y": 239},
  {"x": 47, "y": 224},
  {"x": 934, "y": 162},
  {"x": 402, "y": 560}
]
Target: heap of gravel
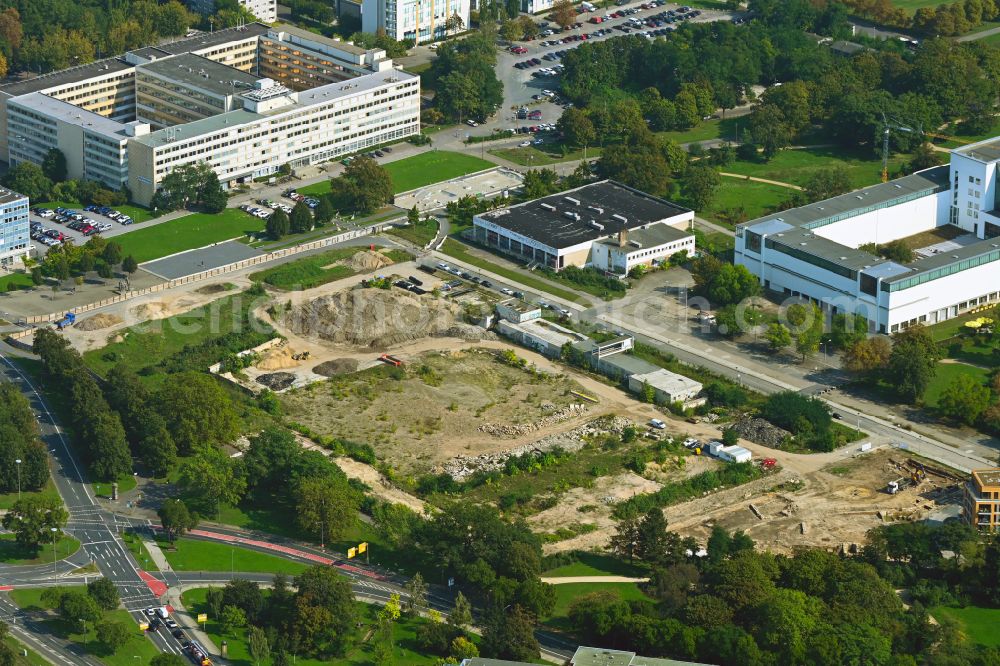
[
  {"x": 337, "y": 366},
  {"x": 276, "y": 381},
  {"x": 759, "y": 431}
]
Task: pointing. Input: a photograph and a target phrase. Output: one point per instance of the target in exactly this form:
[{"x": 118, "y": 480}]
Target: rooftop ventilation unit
[
  {"x": 575, "y": 202},
  {"x": 548, "y": 206},
  {"x": 597, "y": 209},
  {"x": 620, "y": 217},
  {"x": 572, "y": 215},
  {"x": 635, "y": 243},
  {"x": 803, "y": 244},
  {"x": 595, "y": 224}
]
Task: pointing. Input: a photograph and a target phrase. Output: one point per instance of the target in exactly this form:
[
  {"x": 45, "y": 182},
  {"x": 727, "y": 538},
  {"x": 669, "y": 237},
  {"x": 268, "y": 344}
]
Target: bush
[
  {"x": 589, "y": 278},
  {"x": 732, "y": 474}
]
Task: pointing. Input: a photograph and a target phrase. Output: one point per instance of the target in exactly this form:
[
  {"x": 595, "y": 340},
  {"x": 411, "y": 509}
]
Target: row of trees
[
  {"x": 48, "y": 182},
  {"x": 19, "y": 441},
  {"x": 464, "y": 77},
  {"x": 97, "y": 253},
  {"x": 190, "y": 185},
  {"x": 947, "y": 19}
]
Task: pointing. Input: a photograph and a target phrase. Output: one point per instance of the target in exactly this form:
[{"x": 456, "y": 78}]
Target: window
[{"x": 971, "y": 179}]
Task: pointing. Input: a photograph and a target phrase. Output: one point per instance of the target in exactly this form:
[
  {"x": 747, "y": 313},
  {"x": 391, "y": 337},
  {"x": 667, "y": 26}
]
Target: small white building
[
  {"x": 640, "y": 247},
  {"x": 517, "y": 311},
  {"x": 736, "y": 454},
  {"x": 669, "y": 387},
  {"x": 545, "y": 337}
]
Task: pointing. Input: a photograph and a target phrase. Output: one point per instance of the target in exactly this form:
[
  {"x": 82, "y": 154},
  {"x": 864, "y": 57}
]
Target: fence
[{"x": 203, "y": 275}]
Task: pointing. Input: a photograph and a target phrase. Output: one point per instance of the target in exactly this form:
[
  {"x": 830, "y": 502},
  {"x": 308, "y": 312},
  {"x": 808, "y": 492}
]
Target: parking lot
[{"x": 52, "y": 227}]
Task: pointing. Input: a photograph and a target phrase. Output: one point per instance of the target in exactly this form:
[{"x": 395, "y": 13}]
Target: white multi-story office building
[
  {"x": 815, "y": 251},
  {"x": 419, "y": 20},
  {"x": 246, "y": 101},
  {"x": 263, "y": 10},
  {"x": 14, "y": 231}
]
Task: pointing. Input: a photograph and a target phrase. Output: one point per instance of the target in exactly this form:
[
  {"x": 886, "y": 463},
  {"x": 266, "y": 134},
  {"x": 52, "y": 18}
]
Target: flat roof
[
  {"x": 117, "y": 64},
  {"x": 195, "y": 71},
  {"x": 518, "y": 305},
  {"x": 653, "y": 235},
  {"x": 987, "y": 477},
  {"x": 665, "y": 380},
  {"x": 10, "y": 196},
  {"x": 242, "y": 116},
  {"x": 612, "y": 205},
  {"x": 987, "y": 150},
  {"x": 302, "y": 33},
  {"x": 74, "y": 115},
  {"x": 591, "y": 656},
  {"x": 542, "y": 329},
  {"x": 943, "y": 259}
]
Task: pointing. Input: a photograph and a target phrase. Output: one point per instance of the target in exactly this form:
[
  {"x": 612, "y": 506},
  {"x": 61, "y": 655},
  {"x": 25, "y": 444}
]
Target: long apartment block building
[
  {"x": 245, "y": 100},
  {"x": 821, "y": 251}
]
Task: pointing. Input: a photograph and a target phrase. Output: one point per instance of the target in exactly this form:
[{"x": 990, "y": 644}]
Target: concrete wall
[
  {"x": 938, "y": 299},
  {"x": 887, "y": 224}
]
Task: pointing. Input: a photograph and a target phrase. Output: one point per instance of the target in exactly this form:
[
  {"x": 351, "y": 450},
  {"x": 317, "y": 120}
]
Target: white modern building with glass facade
[
  {"x": 14, "y": 232},
  {"x": 246, "y": 101},
  {"x": 816, "y": 252}
]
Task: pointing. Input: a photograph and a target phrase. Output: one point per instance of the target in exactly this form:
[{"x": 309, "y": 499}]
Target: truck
[
  {"x": 66, "y": 321},
  {"x": 390, "y": 360}
]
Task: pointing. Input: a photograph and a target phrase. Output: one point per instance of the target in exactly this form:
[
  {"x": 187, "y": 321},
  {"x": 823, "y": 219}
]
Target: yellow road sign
[
  {"x": 351, "y": 552},
  {"x": 202, "y": 617},
  {"x": 362, "y": 547}
]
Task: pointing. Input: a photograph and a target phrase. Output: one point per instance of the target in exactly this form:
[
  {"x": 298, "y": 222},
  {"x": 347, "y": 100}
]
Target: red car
[{"x": 519, "y": 50}]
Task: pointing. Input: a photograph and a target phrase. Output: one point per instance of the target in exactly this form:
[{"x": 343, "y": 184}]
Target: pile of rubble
[
  {"x": 508, "y": 431},
  {"x": 462, "y": 467},
  {"x": 759, "y": 431},
  {"x": 277, "y": 381}
]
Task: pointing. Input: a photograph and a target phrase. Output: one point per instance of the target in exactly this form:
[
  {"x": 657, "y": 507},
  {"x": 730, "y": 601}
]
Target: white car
[
  {"x": 548, "y": 93},
  {"x": 658, "y": 424},
  {"x": 471, "y": 123},
  {"x": 150, "y": 612},
  {"x": 524, "y": 144},
  {"x": 505, "y": 290},
  {"x": 45, "y": 213}
]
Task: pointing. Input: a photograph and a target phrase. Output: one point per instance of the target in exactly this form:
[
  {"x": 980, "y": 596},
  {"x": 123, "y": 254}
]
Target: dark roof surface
[{"x": 609, "y": 204}]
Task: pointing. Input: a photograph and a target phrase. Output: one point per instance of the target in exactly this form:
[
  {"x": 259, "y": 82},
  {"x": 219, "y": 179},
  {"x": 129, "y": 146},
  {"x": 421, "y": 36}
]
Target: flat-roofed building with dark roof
[
  {"x": 821, "y": 251},
  {"x": 606, "y": 225}
]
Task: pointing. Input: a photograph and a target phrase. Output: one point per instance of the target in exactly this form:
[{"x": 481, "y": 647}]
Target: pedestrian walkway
[
  {"x": 156, "y": 554},
  {"x": 766, "y": 181}
]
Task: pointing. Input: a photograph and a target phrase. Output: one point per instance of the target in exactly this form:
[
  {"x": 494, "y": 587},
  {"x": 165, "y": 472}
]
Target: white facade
[
  {"x": 669, "y": 387},
  {"x": 419, "y": 20},
  {"x": 263, "y": 10},
  {"x": 811, "y": 252},
  {"x": 14, "y": 227},
  {"x": 621, "y": 258}
]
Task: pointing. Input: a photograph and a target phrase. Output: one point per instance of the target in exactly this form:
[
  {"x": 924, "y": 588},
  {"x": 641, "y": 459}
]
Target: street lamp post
[
  {"x": 54, "y": 530},
  {"x": 18, "y": 461}
]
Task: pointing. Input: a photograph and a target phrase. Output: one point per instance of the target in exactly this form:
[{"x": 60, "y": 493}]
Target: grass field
[
  {"x": 533, "y": 156},
  {"x": 716, "y": 128},
  {"x": 137, "y": 213},
  {"x": 946, "y": 372},
  {"x": 754, "y": 198},
  {"x": 410, "y": 173},
  {"x": 194, "y": 555},
  {"x": 134, "y": 543},
  {"x": 12, "y": 552},
  {"x": 406, "y": 651},
  {"x": 32, "y": 658},
  {"x": 595, "y": 564},
  {"x": 148, "y": 344},
  {"x": 953, "y": 327},
  {"x": 49, "y": 490},
  {"x": 136, "y": 650},
  {"x": 420, "y": 234},
  {"x": 978, "y": 624},
  {"x": 568, "y": 593},
  {"x": 16, "y": 281},
  {"x": 125, "y": 484},
  {"x": 317, "y": 269},
  {"x": 457, "y": 250},
  {"x": 797, "y": 166},
  {"x": 186, "y": 233}
]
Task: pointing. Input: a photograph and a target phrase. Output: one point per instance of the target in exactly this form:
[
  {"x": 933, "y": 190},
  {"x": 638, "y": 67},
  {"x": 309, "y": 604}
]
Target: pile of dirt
[
  {"x": 98, "y": 322},
  {"x": 216, "y": 288},
  {"x": 154, "y": 310},
  {"x": 369, "y": 260},
  {"x": 277, "y": 358},
  {"x": 760, "y": 431},
  {"x": 277, "y": 381},
  {"x": 377, "y": 319},
  {"x": 337, "y": 366}
]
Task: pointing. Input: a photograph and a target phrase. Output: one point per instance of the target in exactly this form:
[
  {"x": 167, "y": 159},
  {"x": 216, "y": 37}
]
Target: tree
[
  {"x": 201, "y": 413},
  {"x": 130, "y": 265},
  {"x": 867, "y": 357},
  {"x": 848, "y": 329},
  {"x": 301, "y": 218},
  {"x": 807, "y": 342},
  {"x": 563, "y": 13},
  {"x": 540, "y": 182},
  {"x": 54, "y": 165},
  {"x": 325, "y": 610},
  {"x": 576, "y": 127},
  {"x": 802, "y": 415},
  {"x": 29, "y": 179},
  {"x": 912, "y": 362},
  {"x": 700, "y": 184},
  {"x": 211, "y": 196},
  {"x": 324, "y": 212},
  {"x": 413, "y": 215},
  {"x": 104, "y": 593},
  {"x": 364, "y": 187},
  {"x": 778, "y": 336},
  {"x": 326, "y": 507},
  {"x": 112, "y": 253},
  {"x": 232, "y": 618},
  {"x": 769, "y": 130},
  {"x": 175, "y": 518},
  {"x": 278, "y": 225},
  {"x": 827, "y": 183},
  {"x": 964, "y": 399},
  {"x": 210, "y": 479},
  {"x": 510, "y": 635},
  {"x": 416, "y": 594},
  {"x": 259, "y": 646},
  {"x": 166, "y": 659},
  {"x": 32, "y": 519},
  {"x": 76, "y": 606},
  {"x": 461, "y": 615},
  {"x": 730, "y": 437},
  {"x": 462, "y": 648},
  {"x": 113, "y": 635}
]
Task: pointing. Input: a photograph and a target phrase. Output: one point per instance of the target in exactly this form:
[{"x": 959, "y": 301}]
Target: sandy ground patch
[{"x": 97, "y": 322}]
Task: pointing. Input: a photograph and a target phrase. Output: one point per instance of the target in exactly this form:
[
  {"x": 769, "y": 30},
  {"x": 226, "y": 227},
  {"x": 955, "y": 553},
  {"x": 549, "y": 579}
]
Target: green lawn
[
  {"x": 570, "y": 592},
  {"x": 978, "y": 624},
  {"x": 32, "y": 658},
  {"x": 12, "y": 552},
  {"x": 797, "y": 166},
  {"x": 137, "y": 213},
  {"x": 317, "y": 269},
  {"x": 717, "y": 128},
  {"x": 188, "y": 232},
  {"x": 538, "y": 156},
  {"x": 454, "y": 248},
  {"x": 15, "y": 281},
  {"x": 595, "y": 564},
  {"x": 125, "y": 484},
  {"x": 420, "y": 234},
  {"x": 410, "y": 173},
  {"x": 954, "y": 327},
  {"x": 946, "y": 372},
  {"x": 195, "y": 555},
  {"x": 404, "y": 637},
  {"x": 734, "y": 195},
  {"x": 138, "y": 550},
  {"x": 49, "y": 491},
  {"x": 137, "y": 646}
]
